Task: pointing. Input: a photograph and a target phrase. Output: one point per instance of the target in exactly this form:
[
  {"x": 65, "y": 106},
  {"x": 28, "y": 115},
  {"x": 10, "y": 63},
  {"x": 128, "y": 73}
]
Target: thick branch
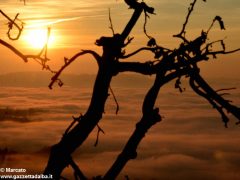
[
  {"x": 138, "y": 9},
  {"x": 14, "y": 50},
  {"x": 132, "y": 22},
  {"x": 150, "y": 117},
  {"x": 144, "y": 68},
  {"x": 214, "y": 53},
  {"x": 209, "y": 99},
  {"x": 77, "y": 172},
  {"x": 137, "y": 51},
  {"x": 216, "y": 97}
]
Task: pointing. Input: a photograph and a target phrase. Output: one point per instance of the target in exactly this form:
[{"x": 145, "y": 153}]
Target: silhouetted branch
[
  {"x": 214, "y": 53},
  {"x": 69, "y": 61},
  {"x": 219, "y": 20},
  {"x": 45, "y": 47},
  {"x": 38, "y": 58},
  {"x": 146, "y": 16},
  {"x": 144, "y": 68},
  {"x": 14, "y": 50},
  {"x": 211, "y": 44},
  {"x": 183, "y": 32},
  {"x": 136, "y": 52},
  {"x": 138, "y": 9},
  {"x": 129, "y": 40},
  {"x": 212, "y": 96},
  {"x": 77, "y": 172},
  {"x": 226, "y": 89},
  {"x": 72, "y": 124},
  {"x": 150, "y": 117},
  {"x": 209, "y": 99},
  {"x": 25, "y": 57},
  {"x": 110, "y": 20},
  {"x": 100, "y": 130},
  {"x": 115, "y": 99},
  {"x": 12, "y": 24}
]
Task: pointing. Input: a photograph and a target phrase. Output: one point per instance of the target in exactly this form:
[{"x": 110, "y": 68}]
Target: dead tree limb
[
  {"x": 167, "y": 65},
  {"x": 67, "y": 62},
  {"x": 150, "y": 117}
]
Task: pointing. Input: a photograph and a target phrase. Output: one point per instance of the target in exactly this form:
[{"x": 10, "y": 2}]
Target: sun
[{"x": 37, "y": 38}]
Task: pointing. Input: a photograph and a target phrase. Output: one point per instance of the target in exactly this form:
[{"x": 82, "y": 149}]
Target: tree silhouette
[{"x": 167, "y": 65}]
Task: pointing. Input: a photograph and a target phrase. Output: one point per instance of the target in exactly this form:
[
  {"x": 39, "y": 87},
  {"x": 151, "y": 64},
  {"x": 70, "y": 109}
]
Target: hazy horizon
[{"x": 190, "y": 142}]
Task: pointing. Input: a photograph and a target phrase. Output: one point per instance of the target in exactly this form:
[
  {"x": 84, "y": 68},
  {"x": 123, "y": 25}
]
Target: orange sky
[{"x": 77, "y": 24}]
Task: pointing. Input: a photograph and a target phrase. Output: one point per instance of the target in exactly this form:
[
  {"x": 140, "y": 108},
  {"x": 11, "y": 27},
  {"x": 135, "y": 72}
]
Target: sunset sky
[{"x": 77, "y": 24}]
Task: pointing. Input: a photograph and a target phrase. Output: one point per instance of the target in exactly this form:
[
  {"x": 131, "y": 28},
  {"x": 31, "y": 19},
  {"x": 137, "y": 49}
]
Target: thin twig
[
  {"x": 69, "y": 61},
  {"x": 99, "y": 130},
  {"x": 115, "y": 99},
  {"x": 72, "y": 123},
  {"x": 211, "y": 44},
  {"x": 110, "y": 20},
  {"x": 145, "y": 25},
  {"x": 11, "y": 24},
  {"x": 14, "y": 50},
  {"x": 136, "y": 52},
  {"x": 210, "y": 100},
  {"x": 222, "y": 52},
  {"x": 183, "y": 32},
  {"x": 226, "y": 89},
  {"x": 142, "y": 49},
  {"x": 77, "y": 172}
]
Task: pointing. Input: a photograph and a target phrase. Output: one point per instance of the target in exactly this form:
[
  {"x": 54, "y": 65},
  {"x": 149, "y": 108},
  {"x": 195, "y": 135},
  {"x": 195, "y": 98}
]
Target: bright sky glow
[{"x": 37, "y": 38}]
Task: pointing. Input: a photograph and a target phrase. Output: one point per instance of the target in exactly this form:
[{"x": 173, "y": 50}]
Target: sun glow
[{"x": 37, "y": 38}]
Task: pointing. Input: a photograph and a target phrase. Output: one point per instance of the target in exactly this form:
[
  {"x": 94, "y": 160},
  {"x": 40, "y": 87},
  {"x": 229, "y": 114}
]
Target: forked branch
[{"x": 218, "y": 102}]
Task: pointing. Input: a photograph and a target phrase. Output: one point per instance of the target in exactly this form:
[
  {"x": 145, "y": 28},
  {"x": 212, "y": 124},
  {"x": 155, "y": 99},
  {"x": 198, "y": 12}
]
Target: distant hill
[{"x": 42, "y": 79}]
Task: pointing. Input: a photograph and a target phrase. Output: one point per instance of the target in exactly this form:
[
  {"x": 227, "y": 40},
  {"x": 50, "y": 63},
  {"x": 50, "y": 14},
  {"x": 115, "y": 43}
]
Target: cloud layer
[{"x": 190, "y": 143}]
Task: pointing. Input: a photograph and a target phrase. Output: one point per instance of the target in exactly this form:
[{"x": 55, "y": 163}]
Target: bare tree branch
[
  {"x": 115, "y": 99},
  {"x": 12, "y": 24},
  {"x": 100, "y": 130},
  {"x": 77, "y": 172},
  {"x": 110, "y": 20},
  {"x": 226, "y": 89},
  {"x": 69, "y": 61},
  {"x": 212, "y": 94},
  {"x": 183, "y": 32},
  {"x": 14, "y": 50}
]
